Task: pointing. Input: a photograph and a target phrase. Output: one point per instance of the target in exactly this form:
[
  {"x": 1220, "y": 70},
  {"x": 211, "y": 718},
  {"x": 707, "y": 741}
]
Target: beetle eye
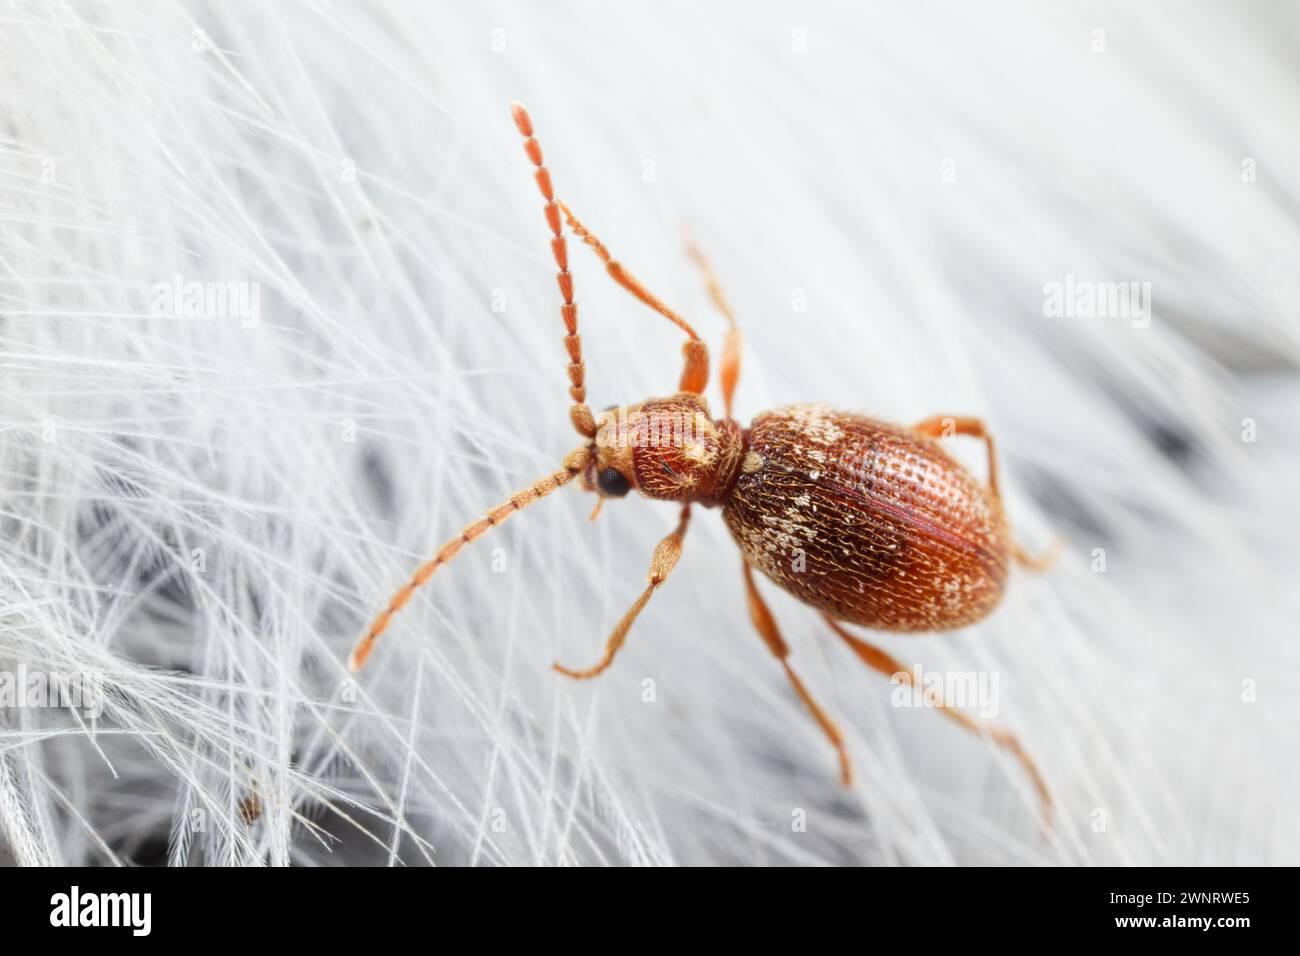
[{"x": 612, "y": 483}]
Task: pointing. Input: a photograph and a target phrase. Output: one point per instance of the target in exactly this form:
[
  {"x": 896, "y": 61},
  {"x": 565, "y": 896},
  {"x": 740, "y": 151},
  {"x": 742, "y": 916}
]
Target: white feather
[{"x": 187, "y": 515}]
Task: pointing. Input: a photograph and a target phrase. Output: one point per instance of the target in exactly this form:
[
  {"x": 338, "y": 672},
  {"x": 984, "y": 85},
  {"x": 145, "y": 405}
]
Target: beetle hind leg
[
  {"x": 885, "y": 664},
  {"x": 765, "y": 624}
]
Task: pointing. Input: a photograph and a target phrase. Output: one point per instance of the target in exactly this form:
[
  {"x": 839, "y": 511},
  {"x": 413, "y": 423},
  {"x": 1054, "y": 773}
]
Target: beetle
[{"x": 871, "y": 524}]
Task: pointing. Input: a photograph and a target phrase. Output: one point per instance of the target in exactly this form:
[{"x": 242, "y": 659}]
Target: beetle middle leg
[
  {"x": 767, "y": 629},
  {"x": 884, "y": 663},
  {"x": 942, "y": 426},
  {"x": 661, "y": 565}
]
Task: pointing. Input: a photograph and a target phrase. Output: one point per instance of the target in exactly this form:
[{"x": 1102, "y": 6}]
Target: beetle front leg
[
  {"x": 695, "y": 371},
  {"x": 729, "y": 368},
  {"x": 661, "y": 565}
]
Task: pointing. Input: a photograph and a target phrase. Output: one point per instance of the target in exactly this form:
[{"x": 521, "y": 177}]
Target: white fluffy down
[{"x": 206, "y": 511}]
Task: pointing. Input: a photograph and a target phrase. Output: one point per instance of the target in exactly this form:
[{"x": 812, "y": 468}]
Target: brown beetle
[{"x": 870, "y": 523}]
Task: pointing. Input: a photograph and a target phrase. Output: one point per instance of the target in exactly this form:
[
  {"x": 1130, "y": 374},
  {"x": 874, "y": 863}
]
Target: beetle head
[{"x": 667, "y": 448}]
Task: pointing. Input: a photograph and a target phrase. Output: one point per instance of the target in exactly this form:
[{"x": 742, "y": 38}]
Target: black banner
[{"x": 333, "y": 905}]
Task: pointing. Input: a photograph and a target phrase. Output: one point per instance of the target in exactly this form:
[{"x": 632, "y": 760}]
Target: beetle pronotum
[{"x": 870, "y": 523}]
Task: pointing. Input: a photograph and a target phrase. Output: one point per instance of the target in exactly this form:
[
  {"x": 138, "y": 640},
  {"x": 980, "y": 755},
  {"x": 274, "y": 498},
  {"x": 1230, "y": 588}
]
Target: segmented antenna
[
  {"x": 573, "y": 466},
  {"x": 580, "y": 414}
]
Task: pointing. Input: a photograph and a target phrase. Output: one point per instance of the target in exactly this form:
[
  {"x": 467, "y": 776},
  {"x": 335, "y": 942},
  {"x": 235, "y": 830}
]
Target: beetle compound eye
[{"x": 613, "y": 483}]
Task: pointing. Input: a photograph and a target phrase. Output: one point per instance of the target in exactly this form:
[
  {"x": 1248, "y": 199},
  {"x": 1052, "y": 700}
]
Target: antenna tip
[{"x": 522, "y": 120}]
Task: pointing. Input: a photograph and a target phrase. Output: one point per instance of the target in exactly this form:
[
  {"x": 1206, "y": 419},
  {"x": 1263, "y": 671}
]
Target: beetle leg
[
  {"x": 767, "y": 629},
  {"x": 729, "y": 369},
  {"x": 944, "y": 426},
  {"x": 661, "y": 565},
  {"x": 695, "y": 373},
  {"x": 1039, "y": 562},
  {"x": 880, "y": 661}
]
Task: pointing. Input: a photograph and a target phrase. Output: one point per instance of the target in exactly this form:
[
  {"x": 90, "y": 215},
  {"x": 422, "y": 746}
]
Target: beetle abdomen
[{"x": 872, "y": 523}]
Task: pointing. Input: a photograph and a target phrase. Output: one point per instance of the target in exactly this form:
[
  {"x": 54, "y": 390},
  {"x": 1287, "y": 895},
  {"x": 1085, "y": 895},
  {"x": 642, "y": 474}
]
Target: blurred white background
[{"x": 206, "y": 511}]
